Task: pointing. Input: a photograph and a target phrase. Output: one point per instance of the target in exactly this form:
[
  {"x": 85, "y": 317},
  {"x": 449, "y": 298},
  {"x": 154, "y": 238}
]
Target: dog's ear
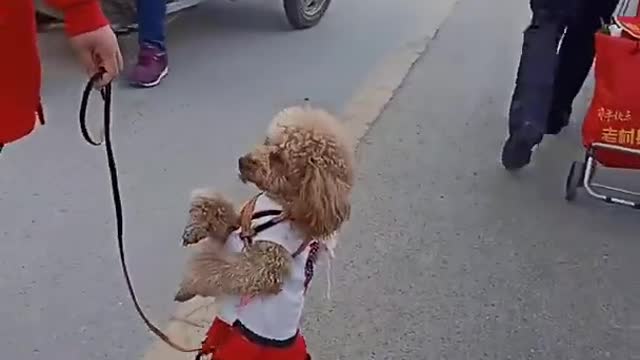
[
  {"x": 323, "y": 203},
  {"x": 277, "y": 161}
]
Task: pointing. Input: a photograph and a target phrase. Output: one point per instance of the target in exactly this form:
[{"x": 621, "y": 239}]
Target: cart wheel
[
  {"x": 575, "y": 180},
  {"x": 303, "y": 14}
]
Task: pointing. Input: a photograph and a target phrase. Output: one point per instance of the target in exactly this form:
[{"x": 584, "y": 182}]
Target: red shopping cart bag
[{"x": 614, "y": 114}]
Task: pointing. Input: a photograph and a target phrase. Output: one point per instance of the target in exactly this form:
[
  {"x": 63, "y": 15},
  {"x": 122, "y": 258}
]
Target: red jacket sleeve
[{"x": 80, "y": 16}]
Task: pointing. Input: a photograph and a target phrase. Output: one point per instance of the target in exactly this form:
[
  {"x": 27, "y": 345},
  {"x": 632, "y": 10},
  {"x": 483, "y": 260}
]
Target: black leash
[{"x": 106, "y": 93}]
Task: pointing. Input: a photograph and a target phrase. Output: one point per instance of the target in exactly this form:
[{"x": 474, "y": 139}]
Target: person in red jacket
[{"x": 90, "y": 36}]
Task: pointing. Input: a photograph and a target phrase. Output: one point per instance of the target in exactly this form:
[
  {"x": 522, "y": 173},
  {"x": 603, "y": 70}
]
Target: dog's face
[
  {"x": 306, "y": 164},
  {"x": 269, "y": 169},
  {"x": 255, "y": 167}
]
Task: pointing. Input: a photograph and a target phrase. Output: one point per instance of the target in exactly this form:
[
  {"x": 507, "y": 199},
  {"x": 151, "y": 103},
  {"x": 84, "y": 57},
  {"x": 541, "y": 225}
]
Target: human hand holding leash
[{"x": 98, "y": 51}]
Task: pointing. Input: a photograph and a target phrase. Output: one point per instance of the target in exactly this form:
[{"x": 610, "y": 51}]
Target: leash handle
[{"x": 107, "y": 93}]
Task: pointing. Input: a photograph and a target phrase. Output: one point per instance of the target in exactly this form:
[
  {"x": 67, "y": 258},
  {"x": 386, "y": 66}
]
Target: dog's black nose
[{"x": 242, "y": 163}]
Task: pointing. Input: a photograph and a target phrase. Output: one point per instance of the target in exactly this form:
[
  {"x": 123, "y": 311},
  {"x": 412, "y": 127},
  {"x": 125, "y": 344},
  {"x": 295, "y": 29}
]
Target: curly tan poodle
[{"x": 304, "y": 171}]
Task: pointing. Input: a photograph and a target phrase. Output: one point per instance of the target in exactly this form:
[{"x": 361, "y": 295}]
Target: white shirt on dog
[{"x": 275, "y": 317}]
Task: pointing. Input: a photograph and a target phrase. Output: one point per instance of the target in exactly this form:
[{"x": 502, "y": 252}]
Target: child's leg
[
  {"x": 153, "y": 62},
  {"x": 151, "y": 22}
]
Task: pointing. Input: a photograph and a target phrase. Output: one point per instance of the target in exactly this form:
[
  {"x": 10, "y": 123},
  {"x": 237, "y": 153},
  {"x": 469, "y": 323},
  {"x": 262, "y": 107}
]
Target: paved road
[
  {"x": 450, "y": 257},
  {"x": 233, "y": 66},
  {"x": 447, "y": 256}
]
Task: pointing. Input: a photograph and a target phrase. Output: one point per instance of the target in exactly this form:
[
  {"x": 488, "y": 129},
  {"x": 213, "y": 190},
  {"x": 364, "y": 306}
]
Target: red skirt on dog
[{"x": 232, "y": 342}]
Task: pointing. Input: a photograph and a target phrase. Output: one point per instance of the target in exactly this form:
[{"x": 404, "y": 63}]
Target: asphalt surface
[
  {"x": 450, "y": 257},
  {"x": 446, "y": 257},
  {"x": 233, "y": 66}
]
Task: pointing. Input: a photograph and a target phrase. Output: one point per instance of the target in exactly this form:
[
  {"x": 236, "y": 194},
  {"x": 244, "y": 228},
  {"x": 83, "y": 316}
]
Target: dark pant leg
[
  {"x": 533, "y": 91},
  {"x": 577, "y": 52},
  {"x": 151, "y": 22}
]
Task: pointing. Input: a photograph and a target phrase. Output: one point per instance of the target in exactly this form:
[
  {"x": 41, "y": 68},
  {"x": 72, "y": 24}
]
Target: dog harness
[
  {"x": 248, "y": 232},
  {"x": 271, "y": 319}
]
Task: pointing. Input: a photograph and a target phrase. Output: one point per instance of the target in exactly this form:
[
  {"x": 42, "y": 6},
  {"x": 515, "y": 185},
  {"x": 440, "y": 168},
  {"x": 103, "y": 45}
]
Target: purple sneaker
[{"x": 152, "y": 67}]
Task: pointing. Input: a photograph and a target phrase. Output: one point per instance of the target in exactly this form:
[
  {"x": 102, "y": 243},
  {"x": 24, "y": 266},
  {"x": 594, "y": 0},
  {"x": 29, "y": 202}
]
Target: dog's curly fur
[
  {"x": 306, "y": 165},
  {"x": 210, "y": 216}
]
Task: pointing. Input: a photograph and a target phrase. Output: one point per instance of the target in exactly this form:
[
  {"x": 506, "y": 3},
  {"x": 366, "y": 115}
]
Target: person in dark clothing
[{"x": 557, "y": 55}]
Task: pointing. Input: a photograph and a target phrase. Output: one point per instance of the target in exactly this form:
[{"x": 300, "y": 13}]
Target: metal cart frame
[{"x": 581, "y": 175}]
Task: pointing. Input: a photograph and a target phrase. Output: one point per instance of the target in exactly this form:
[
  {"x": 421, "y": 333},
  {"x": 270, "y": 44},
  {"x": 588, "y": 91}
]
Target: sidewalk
[{"x": 450, "y": 257}]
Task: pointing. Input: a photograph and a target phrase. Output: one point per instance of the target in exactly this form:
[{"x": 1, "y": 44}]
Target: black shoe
[
  {"x": 558, "y": 121},
  {"x": 516, "y": 154},
  {"x": 517, "y": 150}
]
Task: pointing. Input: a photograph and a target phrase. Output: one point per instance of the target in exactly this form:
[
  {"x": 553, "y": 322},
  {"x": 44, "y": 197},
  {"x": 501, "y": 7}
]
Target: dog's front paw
[
  {"x": 193, "y": 234},
  {"x": 210, "y": 215},
  {"x": 183, "y": 296}
]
